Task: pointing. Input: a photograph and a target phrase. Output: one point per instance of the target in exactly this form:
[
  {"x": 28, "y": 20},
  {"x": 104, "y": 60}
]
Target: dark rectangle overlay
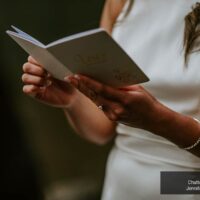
[{"x": 184, "y": 182}]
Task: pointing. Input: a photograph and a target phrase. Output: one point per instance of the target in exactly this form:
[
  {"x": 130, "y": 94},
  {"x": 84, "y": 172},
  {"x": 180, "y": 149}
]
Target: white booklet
[{"x": 93, "y": 53}]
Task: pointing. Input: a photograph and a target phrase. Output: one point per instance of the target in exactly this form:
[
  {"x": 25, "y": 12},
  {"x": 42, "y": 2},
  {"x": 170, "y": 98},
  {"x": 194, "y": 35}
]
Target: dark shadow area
[
  {"x": 18, "y": 172},
  {"x": 42, "y": 157}
]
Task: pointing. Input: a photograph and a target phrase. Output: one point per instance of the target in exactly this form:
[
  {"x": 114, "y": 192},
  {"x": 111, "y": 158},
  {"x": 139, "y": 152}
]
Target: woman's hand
[
  {"x": 135, "y": 107},
  {"x": 132, "y": 105},
  {"x": 39, "y": 84}
]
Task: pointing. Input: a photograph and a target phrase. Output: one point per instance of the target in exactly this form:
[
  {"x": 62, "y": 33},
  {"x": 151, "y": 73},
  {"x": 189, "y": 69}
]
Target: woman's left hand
[
  {"x": 136, "y": 107},
  {"x": 132, "y": 105}
]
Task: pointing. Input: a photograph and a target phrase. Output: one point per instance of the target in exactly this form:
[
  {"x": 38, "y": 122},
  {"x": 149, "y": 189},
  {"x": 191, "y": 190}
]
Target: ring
[{"x": 100, "y": 107}]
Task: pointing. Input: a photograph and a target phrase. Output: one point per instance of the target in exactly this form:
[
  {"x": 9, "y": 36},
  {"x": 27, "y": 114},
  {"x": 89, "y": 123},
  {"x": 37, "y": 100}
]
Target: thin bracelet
[{"x": 197, "y": 142}]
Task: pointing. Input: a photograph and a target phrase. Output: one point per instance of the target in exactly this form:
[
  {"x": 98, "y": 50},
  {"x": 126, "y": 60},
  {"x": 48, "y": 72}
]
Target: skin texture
[{"x": 133, "y": 105}]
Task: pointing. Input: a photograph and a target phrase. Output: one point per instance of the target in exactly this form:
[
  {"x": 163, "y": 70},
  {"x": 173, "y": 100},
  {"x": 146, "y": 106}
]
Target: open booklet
[{"x": 93, "y": 53}]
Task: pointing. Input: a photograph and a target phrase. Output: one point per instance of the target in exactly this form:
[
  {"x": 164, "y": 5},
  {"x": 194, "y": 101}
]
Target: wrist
[
  {"x": 178, "y": 128},
  {"x": 164, "y": 120}
]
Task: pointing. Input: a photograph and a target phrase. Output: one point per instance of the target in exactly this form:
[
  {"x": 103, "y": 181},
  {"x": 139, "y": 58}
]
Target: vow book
[{"x": 93, "y": 53}]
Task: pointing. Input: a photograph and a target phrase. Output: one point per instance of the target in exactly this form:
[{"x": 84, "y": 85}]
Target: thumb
[{"x": 131, "y": 88}]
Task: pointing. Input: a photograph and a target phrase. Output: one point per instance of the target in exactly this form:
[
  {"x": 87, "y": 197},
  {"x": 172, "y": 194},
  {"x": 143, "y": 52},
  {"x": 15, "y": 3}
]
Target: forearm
[
  {"x": 89, "y": 121},
  {"x": 180, "y": 129}
]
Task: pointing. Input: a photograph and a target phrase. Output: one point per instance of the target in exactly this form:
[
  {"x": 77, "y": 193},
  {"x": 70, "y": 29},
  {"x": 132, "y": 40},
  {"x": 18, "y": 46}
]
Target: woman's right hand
[{"x": 39, "y": 84}]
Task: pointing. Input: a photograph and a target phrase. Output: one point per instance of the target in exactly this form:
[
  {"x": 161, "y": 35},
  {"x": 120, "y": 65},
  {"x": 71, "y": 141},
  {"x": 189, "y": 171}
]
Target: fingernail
[
  {"x": 67, "y": 79},
  {"x": 76, "y": 76},
  {"x": 72, "y": 81}
]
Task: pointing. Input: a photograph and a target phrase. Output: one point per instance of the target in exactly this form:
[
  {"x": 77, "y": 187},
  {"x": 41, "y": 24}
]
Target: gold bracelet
[{"x": 197, "y": 142}]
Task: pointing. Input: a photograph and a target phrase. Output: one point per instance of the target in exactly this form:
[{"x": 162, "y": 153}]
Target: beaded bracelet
[{"x": 197, "y": 142}]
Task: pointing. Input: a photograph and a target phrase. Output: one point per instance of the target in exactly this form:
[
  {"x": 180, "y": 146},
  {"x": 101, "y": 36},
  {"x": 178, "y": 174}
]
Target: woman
[{"x": 155, "y": 124}]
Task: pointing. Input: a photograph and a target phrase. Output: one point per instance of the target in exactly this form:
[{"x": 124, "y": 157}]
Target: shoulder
[{"x": 111, "y": 10}]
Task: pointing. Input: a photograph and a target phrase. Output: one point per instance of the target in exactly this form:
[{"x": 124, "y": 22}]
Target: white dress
[{"x": 152, "y": 34}]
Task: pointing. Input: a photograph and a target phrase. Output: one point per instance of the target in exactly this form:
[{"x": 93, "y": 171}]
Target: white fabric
[{"x": 152, "y": 34}]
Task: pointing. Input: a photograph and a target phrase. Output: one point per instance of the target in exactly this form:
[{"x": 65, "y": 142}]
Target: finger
[
  {"x": 110, "y": 115},
  {"x": 82, "y": 88},
  {"x": 115, "y": 113},
  {"x": 136, "y": 89},
  {"x": 31, "y": 89},
  {"x": 34, "y": 69},
  {"x": 101, "y": 89},
  {"x": 34, "y": 80},
  {"x": 112, "y": 109},
  {"x": 132, "y": 88},
  {"x": 34, "y": 91},
  {"x": 33, "y": 61},
  {"x": 91, "y": 94}
]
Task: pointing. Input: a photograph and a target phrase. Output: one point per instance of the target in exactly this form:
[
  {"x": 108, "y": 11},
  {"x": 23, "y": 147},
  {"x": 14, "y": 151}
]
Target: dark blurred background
[{"x": 41, "y": 157}]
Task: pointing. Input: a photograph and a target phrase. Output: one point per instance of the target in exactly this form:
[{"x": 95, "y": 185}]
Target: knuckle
[
  {"x": 119, "y": 111},
  {"x": 42, "y": 72},
  {"x": 111, "y": 115}
]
